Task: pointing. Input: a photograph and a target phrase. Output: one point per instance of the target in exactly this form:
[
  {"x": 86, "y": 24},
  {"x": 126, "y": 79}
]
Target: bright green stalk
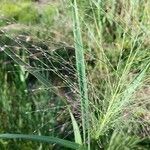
[{"x": 80, "y": 64}]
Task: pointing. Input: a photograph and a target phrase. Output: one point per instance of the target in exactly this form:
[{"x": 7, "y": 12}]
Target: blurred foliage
[
  {"x": 23, "y": 12},
  {"x": 26, "y": 12},
  {"x": 47, "y": 15}
]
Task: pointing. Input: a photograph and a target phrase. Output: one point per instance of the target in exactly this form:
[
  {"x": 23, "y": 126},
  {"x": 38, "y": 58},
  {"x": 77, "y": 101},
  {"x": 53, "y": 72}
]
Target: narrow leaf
[
  {"x": 76, "y": 129},
  {"x": 45, "y": 139}
]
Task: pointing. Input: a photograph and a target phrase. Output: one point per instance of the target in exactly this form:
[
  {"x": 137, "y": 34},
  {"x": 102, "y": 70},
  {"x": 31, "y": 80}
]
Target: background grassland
[{"x": 115, "y": 39}]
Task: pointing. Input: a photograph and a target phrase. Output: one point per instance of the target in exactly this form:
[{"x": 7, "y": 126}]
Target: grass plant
[{"x": 99, "y": 90}]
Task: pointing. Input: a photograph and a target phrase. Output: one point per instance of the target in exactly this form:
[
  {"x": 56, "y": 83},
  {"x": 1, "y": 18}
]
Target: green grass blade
[
  {"x": 81, "y": 74},
  {"x": 76, "y": 129},
  {"x": 45, "y": 139}
]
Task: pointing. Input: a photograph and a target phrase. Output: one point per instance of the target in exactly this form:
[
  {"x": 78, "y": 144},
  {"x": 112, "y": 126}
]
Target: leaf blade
[{"x": 39, "y": 138}]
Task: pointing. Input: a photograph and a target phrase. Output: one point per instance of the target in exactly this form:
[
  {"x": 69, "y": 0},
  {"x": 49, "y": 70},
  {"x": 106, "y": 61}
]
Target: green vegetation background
[{"x": 26, "y": 107}]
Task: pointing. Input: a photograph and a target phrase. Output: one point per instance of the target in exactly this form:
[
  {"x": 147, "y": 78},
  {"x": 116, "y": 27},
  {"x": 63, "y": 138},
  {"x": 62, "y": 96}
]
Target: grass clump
[
  {"x": 23, "y": 12},
  {"x": 100, "y": 88}
]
